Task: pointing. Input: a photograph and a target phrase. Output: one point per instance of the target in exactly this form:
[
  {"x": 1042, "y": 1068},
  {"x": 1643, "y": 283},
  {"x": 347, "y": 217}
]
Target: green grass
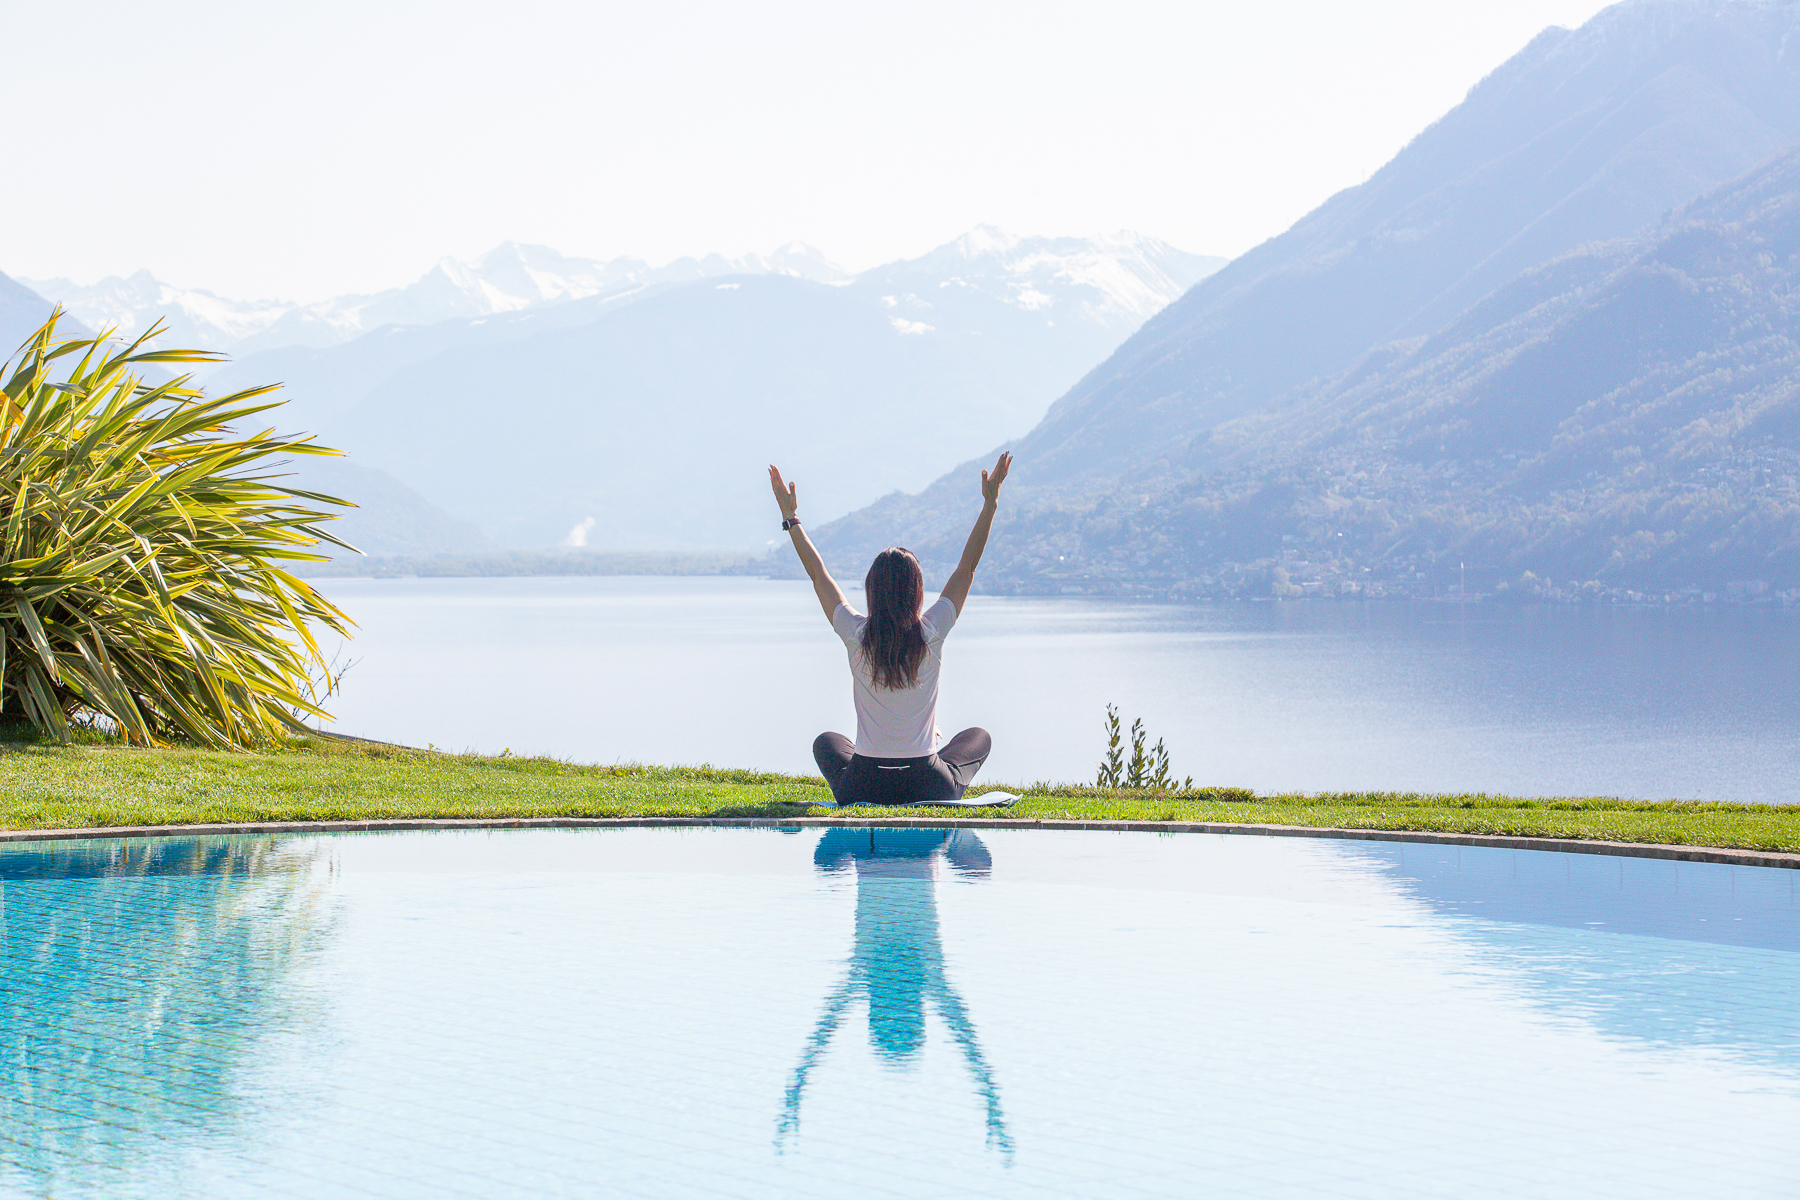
[{"x": 99, "y": 783}]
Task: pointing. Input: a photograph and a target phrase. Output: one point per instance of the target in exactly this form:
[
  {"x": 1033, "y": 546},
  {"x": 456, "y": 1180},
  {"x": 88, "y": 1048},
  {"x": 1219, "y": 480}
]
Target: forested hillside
[
  {"x": 1627, "y": 414},
  {"x": 1344, "y": 407}
]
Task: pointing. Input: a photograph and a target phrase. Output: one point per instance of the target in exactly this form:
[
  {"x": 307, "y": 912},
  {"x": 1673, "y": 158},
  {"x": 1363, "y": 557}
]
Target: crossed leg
[{"x": 964, "y": 754}]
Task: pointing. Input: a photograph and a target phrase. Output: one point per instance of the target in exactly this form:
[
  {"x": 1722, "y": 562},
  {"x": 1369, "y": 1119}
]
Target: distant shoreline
[
  {"x": 547, "y": 563},
  {"x": 521, "y": 564}
]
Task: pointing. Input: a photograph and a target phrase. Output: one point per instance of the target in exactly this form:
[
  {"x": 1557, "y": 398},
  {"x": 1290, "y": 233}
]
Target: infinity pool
[{"x": 918, "y": 1013}]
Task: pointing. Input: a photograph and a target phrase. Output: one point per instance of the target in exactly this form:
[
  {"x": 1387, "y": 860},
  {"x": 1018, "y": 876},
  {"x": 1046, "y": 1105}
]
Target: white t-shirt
[{"x": 896, "y": 723}]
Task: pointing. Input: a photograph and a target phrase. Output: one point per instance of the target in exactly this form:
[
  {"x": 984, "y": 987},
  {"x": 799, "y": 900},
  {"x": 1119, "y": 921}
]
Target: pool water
[{"x": 909, "y": 1013}]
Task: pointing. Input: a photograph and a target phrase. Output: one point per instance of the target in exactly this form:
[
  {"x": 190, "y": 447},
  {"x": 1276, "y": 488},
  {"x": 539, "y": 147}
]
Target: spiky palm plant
[{"x": 141, "y": 572}]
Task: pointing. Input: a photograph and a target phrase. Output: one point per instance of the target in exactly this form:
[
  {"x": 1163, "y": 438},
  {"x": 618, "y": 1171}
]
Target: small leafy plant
[{"x": 1147, "y": 768}]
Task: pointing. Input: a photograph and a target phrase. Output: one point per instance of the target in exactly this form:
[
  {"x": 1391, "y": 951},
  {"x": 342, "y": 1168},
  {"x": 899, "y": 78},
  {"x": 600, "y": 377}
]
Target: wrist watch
[{"x": 791, "y": 523}]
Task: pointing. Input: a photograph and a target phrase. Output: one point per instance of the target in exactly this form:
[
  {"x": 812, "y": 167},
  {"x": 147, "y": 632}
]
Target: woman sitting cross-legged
[{"x": 895, "y": 653}]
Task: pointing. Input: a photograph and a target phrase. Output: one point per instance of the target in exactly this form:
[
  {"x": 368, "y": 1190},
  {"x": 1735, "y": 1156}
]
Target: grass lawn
[{"x": 97, "y": 784}]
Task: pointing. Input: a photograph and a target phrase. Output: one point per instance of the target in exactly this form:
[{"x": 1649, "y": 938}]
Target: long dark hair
[{"x": 892, "y": 643}]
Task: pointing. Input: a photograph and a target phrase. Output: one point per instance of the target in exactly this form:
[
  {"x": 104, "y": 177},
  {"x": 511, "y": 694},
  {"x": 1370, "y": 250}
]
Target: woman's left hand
[
  {"x": 991, "y": 480},
  {"x": 784, "y": 494}
]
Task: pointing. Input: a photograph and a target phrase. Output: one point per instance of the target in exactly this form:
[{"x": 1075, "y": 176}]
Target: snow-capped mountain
[
  {"x": 131, "y": 305},
  {"x": 507, "y": 278},
  {"x": 1112, "y": 282}
]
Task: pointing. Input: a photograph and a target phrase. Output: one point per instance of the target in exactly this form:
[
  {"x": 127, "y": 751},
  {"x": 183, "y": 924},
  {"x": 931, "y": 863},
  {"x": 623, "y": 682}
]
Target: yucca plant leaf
[
  {"x": 175, "y": 356},
  {"x": 15, "y": 520},
  {"x": 34, "y": 629},
  {"x": 47, "y": 714}
]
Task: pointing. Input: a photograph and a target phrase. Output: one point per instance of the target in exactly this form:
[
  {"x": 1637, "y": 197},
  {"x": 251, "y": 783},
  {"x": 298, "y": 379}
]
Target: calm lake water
[{"x": 1307, "y": 695}]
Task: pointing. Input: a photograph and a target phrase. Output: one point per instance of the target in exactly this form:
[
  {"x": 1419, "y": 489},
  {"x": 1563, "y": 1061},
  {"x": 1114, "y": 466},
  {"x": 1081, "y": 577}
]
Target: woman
[{"x": 895, "y": 653}]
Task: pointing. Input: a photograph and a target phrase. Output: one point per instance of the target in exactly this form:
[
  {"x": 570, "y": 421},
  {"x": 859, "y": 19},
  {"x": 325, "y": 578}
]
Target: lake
[{"x": 1696, "y": 703}]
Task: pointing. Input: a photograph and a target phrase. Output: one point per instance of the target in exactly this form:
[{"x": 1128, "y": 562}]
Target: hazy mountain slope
[
  {"x": 1583, "y": 135},
  {"x": 1585, "y": 355},
  {"x": 1642, "y": 424},
  {"x": 22, "y": 312},
  {"x": 321, "y": 384},
  {"x": 1627, "y": 414},
  {"x": 657, "y": 419},
  {"x": 389, "y": 518}
]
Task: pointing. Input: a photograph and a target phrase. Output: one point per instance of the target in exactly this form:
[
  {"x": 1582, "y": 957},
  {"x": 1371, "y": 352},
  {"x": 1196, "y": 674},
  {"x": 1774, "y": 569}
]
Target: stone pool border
[{"x": 1705, "y": 854}]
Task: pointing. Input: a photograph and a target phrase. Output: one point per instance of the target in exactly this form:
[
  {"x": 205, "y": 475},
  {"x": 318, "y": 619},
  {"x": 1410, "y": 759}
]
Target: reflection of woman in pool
[
  {"x": 895, "y": 653},
  {"x": 897, "y": 963}
]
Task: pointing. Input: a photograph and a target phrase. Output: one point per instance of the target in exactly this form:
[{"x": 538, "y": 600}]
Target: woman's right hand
[
  {"x": 831, "y": 596},
  {"x": 784, "y": 494}
]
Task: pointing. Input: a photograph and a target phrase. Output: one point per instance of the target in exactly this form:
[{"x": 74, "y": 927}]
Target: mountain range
[
  {"x": 508, "y": 278},
  {"x": 1507, "y": 346},
  {"x": 642, "y": 417},
  {"x": 529, "y": 399}
]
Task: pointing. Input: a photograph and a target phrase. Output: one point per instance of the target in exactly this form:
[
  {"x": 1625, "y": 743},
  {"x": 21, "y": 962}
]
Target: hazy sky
[{"x": 303, "y": 150}]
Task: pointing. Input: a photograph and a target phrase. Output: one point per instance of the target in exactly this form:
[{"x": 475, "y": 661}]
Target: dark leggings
[{"x": 934, "y": 779}]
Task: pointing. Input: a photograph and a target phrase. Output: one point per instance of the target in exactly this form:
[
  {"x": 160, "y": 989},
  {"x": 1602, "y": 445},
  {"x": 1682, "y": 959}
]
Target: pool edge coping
[{"x": 1706, "y": 854}]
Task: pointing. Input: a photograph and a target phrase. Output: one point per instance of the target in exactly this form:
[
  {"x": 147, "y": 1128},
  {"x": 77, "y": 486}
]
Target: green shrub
[{"x": 141, "y": 571}]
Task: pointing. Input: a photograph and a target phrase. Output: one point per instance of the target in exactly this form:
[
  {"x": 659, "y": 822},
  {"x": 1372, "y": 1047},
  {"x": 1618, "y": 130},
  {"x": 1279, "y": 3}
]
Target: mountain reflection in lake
[
  {"x": 897, "y": 963},
  {"x": 1308, "y": 695}
]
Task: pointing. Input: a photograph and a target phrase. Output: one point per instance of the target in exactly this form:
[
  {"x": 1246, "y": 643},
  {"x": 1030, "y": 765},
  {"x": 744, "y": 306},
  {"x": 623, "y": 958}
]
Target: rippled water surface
[
  {"x": 855, "y": 1012},
  {"x": 1692, "y": 703}
]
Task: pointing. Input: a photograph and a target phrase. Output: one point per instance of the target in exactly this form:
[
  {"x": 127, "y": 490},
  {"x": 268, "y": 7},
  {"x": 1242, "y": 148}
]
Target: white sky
[{"x": 304, "y": 150}]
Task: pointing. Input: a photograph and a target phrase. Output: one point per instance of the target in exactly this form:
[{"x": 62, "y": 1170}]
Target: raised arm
[
  {"x": 824, "y": 586},
  {"x": 956, "y": 590}
]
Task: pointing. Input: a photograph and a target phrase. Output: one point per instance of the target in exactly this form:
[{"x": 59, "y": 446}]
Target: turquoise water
[{"x": 764, "y": 1013}]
